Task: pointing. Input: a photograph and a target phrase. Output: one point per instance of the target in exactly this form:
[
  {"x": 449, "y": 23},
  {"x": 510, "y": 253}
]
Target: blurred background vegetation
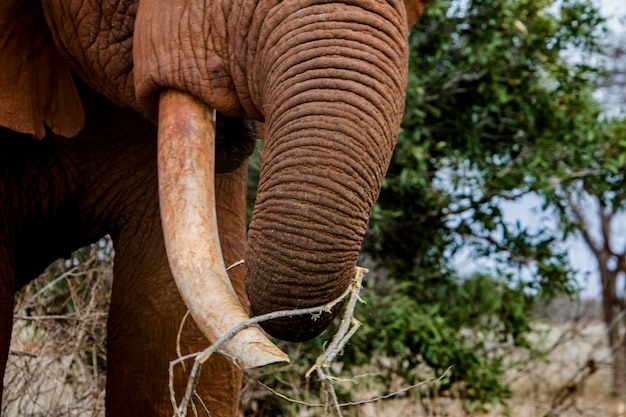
[{"x": 502, "y": 105}]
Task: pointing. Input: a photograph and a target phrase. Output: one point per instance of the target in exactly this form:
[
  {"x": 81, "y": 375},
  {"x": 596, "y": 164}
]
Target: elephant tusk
[{"x": 186, "y": 160}]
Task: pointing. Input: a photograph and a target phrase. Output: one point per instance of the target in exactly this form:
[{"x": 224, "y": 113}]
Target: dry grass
[
  {"x": 576, "y": 381},
  {"x": 57, "y": 362},
  {"x": 58, "y": 354}
]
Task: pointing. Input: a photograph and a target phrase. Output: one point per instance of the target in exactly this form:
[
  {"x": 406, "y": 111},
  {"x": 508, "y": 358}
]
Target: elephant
[{"x": 135, "y": 119}]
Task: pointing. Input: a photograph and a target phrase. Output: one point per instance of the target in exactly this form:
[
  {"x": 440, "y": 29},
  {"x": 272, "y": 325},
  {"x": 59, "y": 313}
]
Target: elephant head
[{"x": 326, "y": 78}]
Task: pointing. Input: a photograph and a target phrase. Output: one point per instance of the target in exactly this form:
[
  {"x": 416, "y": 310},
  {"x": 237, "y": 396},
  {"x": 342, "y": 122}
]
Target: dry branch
[
  {"x": 180, "y": 410},
  {"x": 55, "y": 359}
]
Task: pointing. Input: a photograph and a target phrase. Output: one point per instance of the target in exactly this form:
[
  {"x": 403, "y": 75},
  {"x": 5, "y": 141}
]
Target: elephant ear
[
  {"x": 36, "y": 85},
  {"x": 414, "y": 10}
]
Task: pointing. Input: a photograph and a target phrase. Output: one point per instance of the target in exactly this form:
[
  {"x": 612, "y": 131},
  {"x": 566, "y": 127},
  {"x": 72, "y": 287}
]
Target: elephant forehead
[
  {"x": 184, "y": 46},
  {"x": 97, "y": 37},
  {"x": 130, "y": 50}
]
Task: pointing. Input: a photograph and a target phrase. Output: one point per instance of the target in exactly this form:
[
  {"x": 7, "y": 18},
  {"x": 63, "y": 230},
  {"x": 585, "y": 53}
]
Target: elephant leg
[
  {"x": 231, "y": 189},
  {"x": 146, "y": 313}
]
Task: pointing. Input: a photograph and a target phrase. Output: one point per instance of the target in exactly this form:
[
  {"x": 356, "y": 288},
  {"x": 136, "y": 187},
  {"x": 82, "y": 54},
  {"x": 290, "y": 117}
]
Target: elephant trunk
[
  {"x": 186, "y": 163},
  {"x": 333, "y": 94}
]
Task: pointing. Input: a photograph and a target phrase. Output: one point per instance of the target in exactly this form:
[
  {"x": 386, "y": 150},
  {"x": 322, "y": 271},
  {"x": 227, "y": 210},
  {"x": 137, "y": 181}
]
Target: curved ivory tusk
[{"x": 187, "y": 200}]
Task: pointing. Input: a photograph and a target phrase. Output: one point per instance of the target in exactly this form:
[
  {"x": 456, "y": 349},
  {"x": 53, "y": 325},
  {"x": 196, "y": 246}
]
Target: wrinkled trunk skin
[
  {"x": 327, "y": 78},
  {"x": 334, "y": 101}
]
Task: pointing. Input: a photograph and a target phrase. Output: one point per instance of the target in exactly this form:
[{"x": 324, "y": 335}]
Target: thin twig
[
  {"x": 201, "y": 357},
  {"x": 236, "y": 264},
  {"x": 22, "y": 353},
  {"x": 69, "y": 316},
  {"x": 202, "y": 404},
  {"x": 354, "y": 403},
  {"x": 349, "y": 325},
  {"x": 178, "y": 337}
]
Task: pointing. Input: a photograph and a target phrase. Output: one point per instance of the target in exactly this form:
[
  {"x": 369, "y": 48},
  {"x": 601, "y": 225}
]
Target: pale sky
[{"x": 614, "y": 10}]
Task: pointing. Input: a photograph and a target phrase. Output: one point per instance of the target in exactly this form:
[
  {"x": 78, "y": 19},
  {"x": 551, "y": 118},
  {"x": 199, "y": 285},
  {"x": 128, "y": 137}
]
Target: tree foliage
[
  {"x": 496, "y": 103},
  {"x": 491, "y": 99},
  {"x": 499, "y": 106}
]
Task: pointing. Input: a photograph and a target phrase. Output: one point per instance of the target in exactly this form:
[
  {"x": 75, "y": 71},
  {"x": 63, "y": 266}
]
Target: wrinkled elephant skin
[{"x": 106, "y": 109}]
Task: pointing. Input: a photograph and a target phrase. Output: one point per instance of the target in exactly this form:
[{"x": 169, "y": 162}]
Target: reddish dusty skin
[
  {"x": 187, "y": 200},
  {"x": 36, "y": 86},
  {"x": 328, "y": 78}
]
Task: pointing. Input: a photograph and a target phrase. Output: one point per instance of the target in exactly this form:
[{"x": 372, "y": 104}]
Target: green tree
[
  {"x": 497, "y": 108},
  {"x": 589, "y": 194},
  {"x": 493, "y": 106}
]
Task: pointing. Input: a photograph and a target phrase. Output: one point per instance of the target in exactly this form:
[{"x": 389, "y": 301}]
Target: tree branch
[
  {"x": 180, "y": 410},
  {"x": 605, "y": 225},
  {"x": 584, "y": 227}
]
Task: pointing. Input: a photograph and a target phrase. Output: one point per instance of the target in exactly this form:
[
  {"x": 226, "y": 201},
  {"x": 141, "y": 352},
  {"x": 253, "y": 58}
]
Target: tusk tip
[
  {"x": 271, "y": 349},
  {"x": 262, "y": 354}
]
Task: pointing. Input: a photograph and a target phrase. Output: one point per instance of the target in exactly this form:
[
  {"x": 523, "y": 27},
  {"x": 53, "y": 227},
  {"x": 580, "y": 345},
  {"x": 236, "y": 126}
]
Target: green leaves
[
  {"x": 499, "y": 106},
  {"x": 492, "y": 110},
  {"x": 496, "y": 109}
]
